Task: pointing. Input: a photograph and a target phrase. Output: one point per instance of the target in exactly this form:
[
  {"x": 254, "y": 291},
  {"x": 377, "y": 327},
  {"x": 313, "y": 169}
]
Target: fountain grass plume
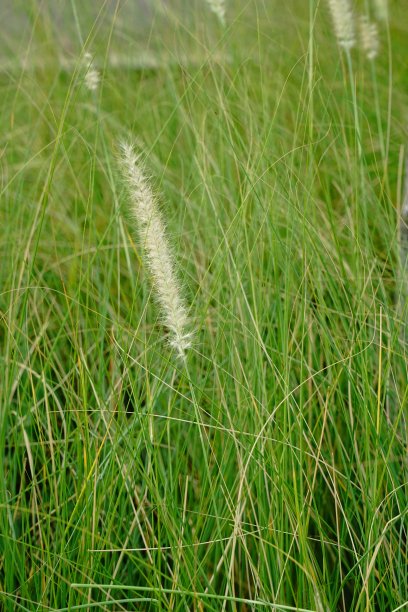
[
  {"x": 381, "y": 9},
  {"x": 369, "y": 37},
  {"x": 92, "y": 76},
  {"x": 343, "y": 23},
  {"x": 218, "y": 8},
  {"x": 152, "y": 235}
]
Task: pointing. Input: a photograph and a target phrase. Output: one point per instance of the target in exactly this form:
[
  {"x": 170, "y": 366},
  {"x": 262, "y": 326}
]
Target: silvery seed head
[
  {"x": 92, "y": 76},
  {"x": 343, "y": 23},
  {"x": 158, "y": 256},
  {"x": 369, "y": 37},
  {"x": 218, "y": 8},
  {"x": 381, "y": 9}
]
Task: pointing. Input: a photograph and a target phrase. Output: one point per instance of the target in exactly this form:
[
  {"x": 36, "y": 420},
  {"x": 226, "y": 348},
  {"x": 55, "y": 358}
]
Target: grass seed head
[
  {"x": 369, "y": 37},
  {"x": 218, "y": 8},
  {"x": 381, "y": 9},
  {"x": 92, "y": 76},
  {"x": 343, "y": 23},
  {"x": 152, "y": 233}
]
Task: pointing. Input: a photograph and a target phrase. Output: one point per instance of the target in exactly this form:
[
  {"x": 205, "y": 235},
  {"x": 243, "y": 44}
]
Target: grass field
[{"x": 268, "y": 470}]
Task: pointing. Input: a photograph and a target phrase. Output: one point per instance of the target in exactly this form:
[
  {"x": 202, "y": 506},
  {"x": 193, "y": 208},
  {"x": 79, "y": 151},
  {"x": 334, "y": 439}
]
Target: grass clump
[{"x": 268, "y": 469}]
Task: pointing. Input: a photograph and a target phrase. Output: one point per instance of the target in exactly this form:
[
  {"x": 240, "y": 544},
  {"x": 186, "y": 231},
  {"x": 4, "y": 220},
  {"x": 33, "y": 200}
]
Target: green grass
[{"x": 269, "y": 470}]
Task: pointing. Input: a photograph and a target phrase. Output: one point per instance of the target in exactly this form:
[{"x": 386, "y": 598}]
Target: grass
[{"x": 269, "y": 470}]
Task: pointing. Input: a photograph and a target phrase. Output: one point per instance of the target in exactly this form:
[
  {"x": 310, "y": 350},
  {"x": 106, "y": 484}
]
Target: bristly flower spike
[
  {"x": 381, "y": 9},
  {"x": 218, "y": 8},
  {"x": 369, "y": 37},
  {"x": 343, "y": 23},
  {"x": 152, "y": 234},
  {"x": 92, "y": 77}
]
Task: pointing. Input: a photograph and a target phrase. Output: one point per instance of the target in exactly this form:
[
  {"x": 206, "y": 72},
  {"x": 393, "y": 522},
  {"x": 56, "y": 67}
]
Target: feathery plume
[
  {"x": 381, "y": 9},
  {"x": 343, "y": 23},
  {"x": 369, "y": 37},
  {"x": 92, "y": 77},
  {"x": 218, "y": 8},
  {"x": 152, "y": 234}
]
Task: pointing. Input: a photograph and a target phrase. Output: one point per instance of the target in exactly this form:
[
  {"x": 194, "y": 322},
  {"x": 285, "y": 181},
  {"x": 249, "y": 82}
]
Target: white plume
[{"x": 152, "y": 234}]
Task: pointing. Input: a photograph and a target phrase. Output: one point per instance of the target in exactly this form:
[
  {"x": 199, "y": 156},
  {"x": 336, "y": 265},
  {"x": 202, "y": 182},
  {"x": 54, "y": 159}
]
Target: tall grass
[{"x": 269, "y": 469}]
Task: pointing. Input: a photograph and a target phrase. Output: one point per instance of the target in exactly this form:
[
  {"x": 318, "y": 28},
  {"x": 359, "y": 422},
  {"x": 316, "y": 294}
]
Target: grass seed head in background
[
  {"x": 218, "y": 8},
  {"x": 92, "y": 77},
  {"x": 343, "y": 23},
  {"x": 381, "y": 9},
  {"x": 152, "y": 233},
  {"x": 369, "y": 37}
]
